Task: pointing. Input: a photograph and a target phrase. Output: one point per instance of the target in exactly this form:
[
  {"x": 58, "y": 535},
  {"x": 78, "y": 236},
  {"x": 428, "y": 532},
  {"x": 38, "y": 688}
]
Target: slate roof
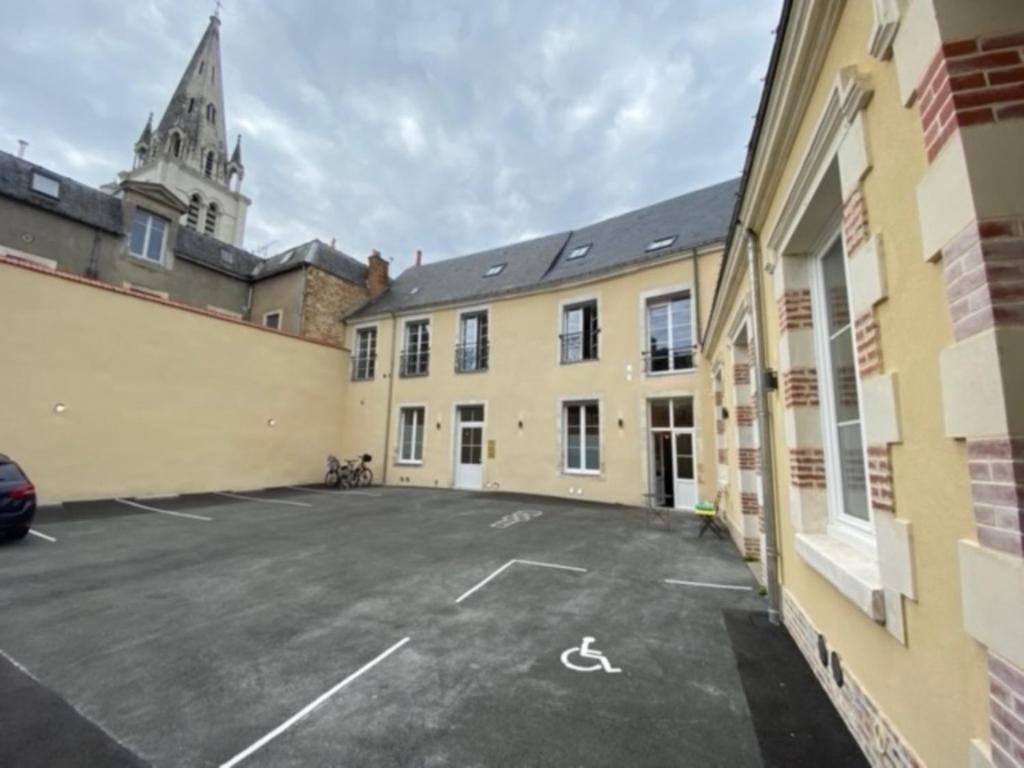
[
  {"x": 694, "y": 219},
  {"x": 77, "y": 201},
  {"x": 318, "y": 254},
  {"x": 215, "y": 254}
]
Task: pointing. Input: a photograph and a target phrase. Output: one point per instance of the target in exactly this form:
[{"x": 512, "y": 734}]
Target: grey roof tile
[
  {"x": 76, "y": 201},
  {"x": 693, "y": 219},
  {"x": 319, "y": 254}
]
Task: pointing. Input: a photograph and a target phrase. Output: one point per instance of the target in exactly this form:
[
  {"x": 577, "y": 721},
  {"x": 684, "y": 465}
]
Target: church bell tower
[{"x": 187, "y": 151}]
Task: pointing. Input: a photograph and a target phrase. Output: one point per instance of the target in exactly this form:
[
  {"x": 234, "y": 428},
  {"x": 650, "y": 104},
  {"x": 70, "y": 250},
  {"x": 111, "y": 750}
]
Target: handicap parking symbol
[{"x": 586, "y": 653}]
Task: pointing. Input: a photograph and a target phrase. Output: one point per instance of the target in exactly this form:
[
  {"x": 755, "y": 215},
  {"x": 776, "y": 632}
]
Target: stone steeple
[{"x": 188, "y": 152}]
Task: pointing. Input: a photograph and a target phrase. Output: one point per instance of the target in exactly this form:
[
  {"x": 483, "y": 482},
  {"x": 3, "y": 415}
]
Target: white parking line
[
  {"x": 164, "y": 511},
  {"x": 553, "y": 565},
  {"x": 464, "y": 595},
  {"x": 474, "y": 589},
  {"x": 34, "y": 532},
  {"x": 707, "y": 584},
  {"x": 311, "y": 706},
  {"x": 267, "y": 501},
  {"x": 333, "y": 493}
]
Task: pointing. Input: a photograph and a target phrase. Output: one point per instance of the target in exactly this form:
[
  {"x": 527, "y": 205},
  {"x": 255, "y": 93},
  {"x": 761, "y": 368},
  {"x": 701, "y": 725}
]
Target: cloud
[{"x": 447, "y": 126}]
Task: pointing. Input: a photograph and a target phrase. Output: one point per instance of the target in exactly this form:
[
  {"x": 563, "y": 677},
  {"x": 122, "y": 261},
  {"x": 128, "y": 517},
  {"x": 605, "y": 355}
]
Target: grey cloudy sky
[{"x": 448, "y": 126}]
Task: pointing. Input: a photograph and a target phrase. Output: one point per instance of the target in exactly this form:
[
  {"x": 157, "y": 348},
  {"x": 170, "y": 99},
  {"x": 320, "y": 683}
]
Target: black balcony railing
[
  {"x": 364, "y": 367},
  {"x": 577, "y": 347},
  {"x": 414, "y": 363},
  {"x": 664, "y": 359},
  {"x": 470, "y": 358}
]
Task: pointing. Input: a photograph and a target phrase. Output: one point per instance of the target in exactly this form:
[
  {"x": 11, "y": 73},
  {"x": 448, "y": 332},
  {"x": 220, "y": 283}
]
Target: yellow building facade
[{"x": 866, "y": 343}]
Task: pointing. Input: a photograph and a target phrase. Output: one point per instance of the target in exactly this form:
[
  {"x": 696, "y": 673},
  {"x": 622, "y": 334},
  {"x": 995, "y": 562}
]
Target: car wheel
[{"x": 18, "y": 533}]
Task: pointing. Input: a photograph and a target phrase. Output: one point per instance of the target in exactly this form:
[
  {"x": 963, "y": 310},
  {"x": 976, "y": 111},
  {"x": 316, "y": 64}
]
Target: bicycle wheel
[
  {"x": 332, "y": 479},
  {"x": 365, "y": 477}
]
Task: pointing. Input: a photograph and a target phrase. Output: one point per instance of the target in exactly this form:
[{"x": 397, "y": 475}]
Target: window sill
[
  {"x": 471, "y": 370},
  {"x": 401, "y": 463},
  {"x": 361, "y": 378},
  {"x": 142, "y": 261},
  {"x": 677, "y": 372},
  {"x": 854, "y": 574},
  {"x": 413, "y": 375},
  {"x": 582, "y": 472},
  {"x": 580, "y": 362}
]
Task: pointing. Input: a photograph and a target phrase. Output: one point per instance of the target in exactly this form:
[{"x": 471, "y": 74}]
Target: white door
[
  {"x": 685, "y": 461},
  {"x": 469, "y": 446}
]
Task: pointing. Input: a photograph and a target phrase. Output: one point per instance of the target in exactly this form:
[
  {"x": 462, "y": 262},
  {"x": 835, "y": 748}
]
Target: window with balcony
[
  {"x": 579, "y": 332},
  {"x": 364, "y": 361},
  {"x": 669, "y": 334},
  {"x": 416, "y": 355},
  {"x": 471, "y": 352}
]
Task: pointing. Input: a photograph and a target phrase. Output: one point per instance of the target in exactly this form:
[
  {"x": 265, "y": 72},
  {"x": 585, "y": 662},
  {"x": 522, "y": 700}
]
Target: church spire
[{"x": 192, "y": 127}]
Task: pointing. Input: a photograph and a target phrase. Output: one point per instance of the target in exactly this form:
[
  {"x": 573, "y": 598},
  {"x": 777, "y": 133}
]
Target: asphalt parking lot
[{"x": 393, "y": 627}]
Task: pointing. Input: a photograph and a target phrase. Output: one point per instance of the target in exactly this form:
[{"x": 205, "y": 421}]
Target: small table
[{"x": 655, "y": 510}]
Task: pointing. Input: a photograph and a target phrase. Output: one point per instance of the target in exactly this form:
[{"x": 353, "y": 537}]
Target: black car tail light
[{"x": 25, "y": 491}]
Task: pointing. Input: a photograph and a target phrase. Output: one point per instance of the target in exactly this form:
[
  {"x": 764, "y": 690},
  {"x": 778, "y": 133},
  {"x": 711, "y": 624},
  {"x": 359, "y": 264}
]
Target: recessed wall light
[
  {"x": 59, "y": 408},
  {"x": 271, "y": 422}
]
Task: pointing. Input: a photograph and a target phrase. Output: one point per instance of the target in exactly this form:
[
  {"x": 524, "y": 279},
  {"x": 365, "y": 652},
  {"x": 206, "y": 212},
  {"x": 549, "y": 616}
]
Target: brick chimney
[
  {"x": 419, "y": 257},
  {"x": 377, "y": 275}
]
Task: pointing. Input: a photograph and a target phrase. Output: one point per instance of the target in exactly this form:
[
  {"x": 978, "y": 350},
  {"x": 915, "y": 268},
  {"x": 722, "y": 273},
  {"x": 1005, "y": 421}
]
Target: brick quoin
[
  {"x": 869, "y": 346},
  {"x": 807, "y": 467},
  {"x": 983, "y": 268},
  {"x": 880, "y": 477},
  {"x": 1006, "y": 703},
  {"x": 745, "y": 415},
  {"x": 971, "y": 82},
  {"x": 749, "y": 504},
  {"x": 800, "y": 387},
  {"x": 741, "y": 373},
  {"x": 996, "y": 467},
  {"x": 750, "y": 458},
  {"x": 723, "y": 456},
  {"x": 855, "y": 222},
  {"x": 795, "y": 310}
]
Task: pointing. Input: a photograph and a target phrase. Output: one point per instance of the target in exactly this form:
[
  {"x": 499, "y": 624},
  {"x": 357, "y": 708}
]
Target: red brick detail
[
  {"x": 377, "y": 280},
  {"x": 720, "y": 426},
  {"x": 880, "y": 477},
  {"x": 749, "y": 504},
  {"x": 869, "y": 345},
  {"x": 750, "y": 458},
  {"x": 799, "y": 387},
  {"x": 1006, "y": 705},
  {"x": 719, "y": 398},
  {"x": 855, "y": 221},
  {"x": 984, "y": 273},
  {"x": 996, "y": 466},
  {"x": 795, "y": 310},
  {"x": 872, "y": 731},
  {"x": 970, "y": 82},
  {"x": 723, "y": 456},
  {"x": 807, "y": 467},
  {"x": 745, "y": 415},
  {"x": 741, "y": 373}
]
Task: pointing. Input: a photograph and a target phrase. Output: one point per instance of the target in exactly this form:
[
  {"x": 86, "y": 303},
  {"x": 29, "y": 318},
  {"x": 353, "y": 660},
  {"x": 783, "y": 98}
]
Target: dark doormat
[
  {"x": 795, "y": 721},
  {"x": 41, "y": 730}
]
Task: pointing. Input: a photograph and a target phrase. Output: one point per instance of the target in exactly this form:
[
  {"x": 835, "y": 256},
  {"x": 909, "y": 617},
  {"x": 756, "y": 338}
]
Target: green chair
[{"x": 707, "y": 511}]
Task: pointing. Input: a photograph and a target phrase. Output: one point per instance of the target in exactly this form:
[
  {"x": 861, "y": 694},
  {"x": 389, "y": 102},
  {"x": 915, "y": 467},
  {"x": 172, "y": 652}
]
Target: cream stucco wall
[
  {"x": 526, "y": 383},
  {"x": 159, "y": 399},
  {"x": 913, "y": 684}
]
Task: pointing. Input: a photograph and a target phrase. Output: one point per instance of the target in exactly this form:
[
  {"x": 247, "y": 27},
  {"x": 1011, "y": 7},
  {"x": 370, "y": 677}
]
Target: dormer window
[
  {"x": 146, "y": 240},
  {"x": 579, "y": 252},
  {"x": 45, "y": 185},
  {"x": 661, "y": 242},
  {"x": 495, "y": 270}
]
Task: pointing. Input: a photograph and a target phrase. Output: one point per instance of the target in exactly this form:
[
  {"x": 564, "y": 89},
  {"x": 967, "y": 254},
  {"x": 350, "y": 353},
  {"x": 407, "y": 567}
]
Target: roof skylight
[
  {"x": 661, "y": 242},
  {"x": 45, "y": 185},
  {"x": 495, "y": 270},
  {"x": 579, "y": 252}
]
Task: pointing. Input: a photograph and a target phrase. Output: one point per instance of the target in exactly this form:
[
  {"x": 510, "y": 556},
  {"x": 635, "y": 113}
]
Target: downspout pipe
[
  {"x": 695, "y": 257},
  {"x": 764, "y": 429},
  {"x": 391, "y": 394}
]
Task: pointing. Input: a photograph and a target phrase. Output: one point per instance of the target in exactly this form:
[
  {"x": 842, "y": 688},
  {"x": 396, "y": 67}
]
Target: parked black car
[{"x": 17, "y": 500}]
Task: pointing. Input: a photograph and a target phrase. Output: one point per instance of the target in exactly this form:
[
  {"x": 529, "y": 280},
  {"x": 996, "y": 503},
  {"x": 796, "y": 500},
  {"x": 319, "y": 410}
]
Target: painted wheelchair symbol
[{"x": 586, "y": 652}]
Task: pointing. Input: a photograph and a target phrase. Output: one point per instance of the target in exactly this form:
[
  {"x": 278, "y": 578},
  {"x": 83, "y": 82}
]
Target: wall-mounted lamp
[
  {"x": 439, "y": 424},
  {"x": 59, "y": 408},
  {"x": 520, "y": 423},
  {"x": 621, "y": 423},
  {"x": 770, "y": 380},
  {"x": 271, "y": 423},
  {"x": 725, "y": 413}
]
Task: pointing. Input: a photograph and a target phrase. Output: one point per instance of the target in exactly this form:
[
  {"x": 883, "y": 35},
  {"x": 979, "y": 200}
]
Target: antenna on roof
[{"x": 22, "y": 146}]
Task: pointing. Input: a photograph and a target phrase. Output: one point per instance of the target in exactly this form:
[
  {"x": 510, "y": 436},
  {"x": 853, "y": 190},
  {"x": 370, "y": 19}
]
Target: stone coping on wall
[
  {"x": 856, "y": 575},
  {"x": 19, "y": 263}
]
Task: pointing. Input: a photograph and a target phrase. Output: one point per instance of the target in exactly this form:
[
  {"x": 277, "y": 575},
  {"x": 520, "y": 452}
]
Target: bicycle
[
  {"x": 352, "y": 473},
  {"x": 361, "y": 475}
]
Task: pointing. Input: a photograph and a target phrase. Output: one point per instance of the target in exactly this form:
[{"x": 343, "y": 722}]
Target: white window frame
[
  {"x": 271, "y": 313},
  {"x": 563, "y": 307},
  {"x": 404, "y": 350},
  {"x": 45, "y": 185},
  {"x": 579, "y": 252},
  {"x": 665, "y": 297},
  {"x": 846, "y": 528},
  {"x": 660, "y": 243},
  {"x": 421, "y": 433},
  {"x": 495, "y": 269},
  {"x": 371, "y": 365},
  {"x": 581, "y": 404},
  {"x": 484, "y": 340},
  {"x": 150, "y": 217}
]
